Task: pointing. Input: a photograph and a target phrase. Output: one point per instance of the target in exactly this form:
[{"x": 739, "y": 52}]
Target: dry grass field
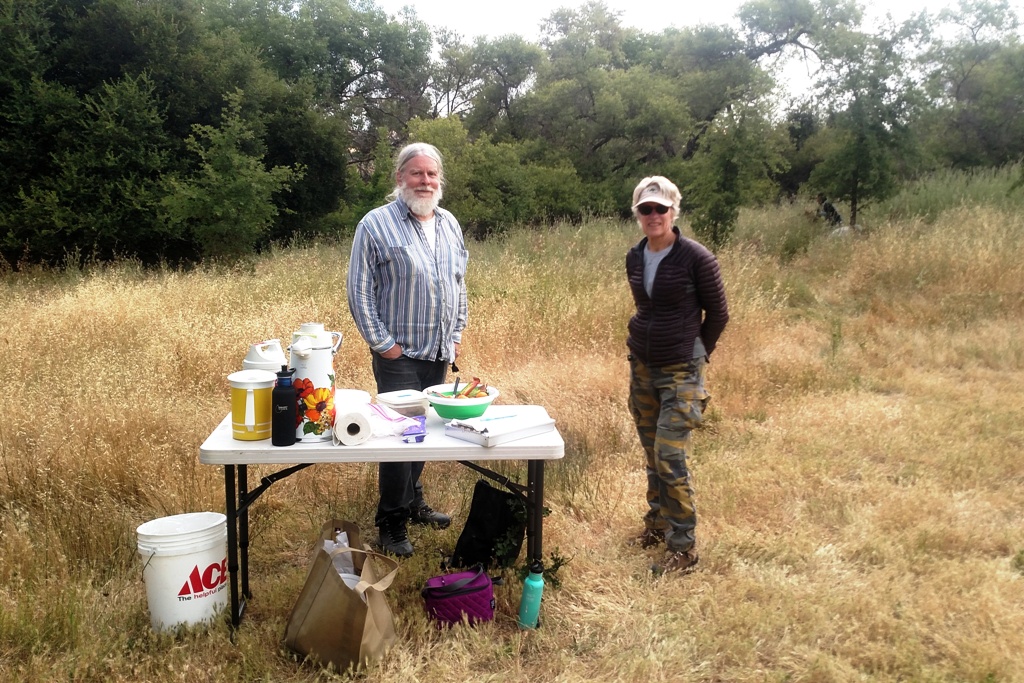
[{"x": 859, "y": 478}]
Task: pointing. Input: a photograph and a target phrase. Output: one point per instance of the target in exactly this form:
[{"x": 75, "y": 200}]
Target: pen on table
[{"x": 500, "y": 417}]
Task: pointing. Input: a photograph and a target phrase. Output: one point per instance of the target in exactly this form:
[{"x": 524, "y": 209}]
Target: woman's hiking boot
[
  {"x": 648, "y": 538},
  {"x": 676, "y": 562}
]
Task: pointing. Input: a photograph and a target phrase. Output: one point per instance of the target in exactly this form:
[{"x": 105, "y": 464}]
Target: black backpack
[{"x": 494, "y": 531}]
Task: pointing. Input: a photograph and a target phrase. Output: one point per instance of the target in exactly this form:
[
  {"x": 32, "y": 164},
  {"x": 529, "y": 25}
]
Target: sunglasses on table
[{"x": 646, "y": 209}]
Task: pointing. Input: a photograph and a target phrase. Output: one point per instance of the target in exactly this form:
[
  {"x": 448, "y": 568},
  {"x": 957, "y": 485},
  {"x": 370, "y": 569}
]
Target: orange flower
[{"x": 303, "y": 387}]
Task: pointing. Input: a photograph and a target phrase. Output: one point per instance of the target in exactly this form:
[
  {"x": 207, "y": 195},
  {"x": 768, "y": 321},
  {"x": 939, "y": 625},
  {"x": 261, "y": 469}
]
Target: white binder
[{"x": 501, "y": 424}]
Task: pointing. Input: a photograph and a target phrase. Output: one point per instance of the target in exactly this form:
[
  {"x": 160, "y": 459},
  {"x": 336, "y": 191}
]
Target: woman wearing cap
[{"x": 680, "y": 313}]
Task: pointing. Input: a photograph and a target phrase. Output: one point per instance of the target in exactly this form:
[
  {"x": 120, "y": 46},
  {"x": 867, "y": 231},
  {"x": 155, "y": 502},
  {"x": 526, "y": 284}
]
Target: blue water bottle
[{"x": 529, "y": 605}]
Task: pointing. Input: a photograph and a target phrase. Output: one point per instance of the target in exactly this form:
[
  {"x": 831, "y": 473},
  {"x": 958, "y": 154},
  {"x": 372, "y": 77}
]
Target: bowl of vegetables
[{"x": 461, "y": 401}]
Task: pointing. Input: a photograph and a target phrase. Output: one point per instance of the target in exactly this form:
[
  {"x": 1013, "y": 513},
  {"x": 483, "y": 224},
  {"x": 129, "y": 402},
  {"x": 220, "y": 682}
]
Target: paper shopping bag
[{"x": 331, "y": 622}]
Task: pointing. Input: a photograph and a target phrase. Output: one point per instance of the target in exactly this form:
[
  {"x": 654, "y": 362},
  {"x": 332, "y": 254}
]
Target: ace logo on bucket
[
  {"x": 184, "y": 567},
  {"x": 206, "y": 582}
]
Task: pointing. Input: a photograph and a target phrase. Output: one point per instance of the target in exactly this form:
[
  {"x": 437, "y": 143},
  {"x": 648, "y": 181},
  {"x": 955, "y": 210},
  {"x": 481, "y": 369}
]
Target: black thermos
[{"x": 283, "y": 409}]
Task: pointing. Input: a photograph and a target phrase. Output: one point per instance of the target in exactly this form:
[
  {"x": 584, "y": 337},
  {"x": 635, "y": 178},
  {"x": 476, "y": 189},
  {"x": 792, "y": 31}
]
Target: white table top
[{"x": 220, "y": 448}]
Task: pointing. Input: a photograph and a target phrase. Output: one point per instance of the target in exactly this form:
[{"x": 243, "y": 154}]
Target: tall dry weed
[{"x": 858, "y": 478}]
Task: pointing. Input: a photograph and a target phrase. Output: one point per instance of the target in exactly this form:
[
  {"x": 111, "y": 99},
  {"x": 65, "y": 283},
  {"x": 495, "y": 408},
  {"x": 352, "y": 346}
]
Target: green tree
[
  {"x": 364, "y": 68},
  {"x": 734, "y": 166},
  {"x": 717, "y": 68},
  {"x": 225, "y": 206},
  {"x": 369, "y": 70},
  {"x": 100, "y": 97},
  {"x": 489, "y": 186},
  {"x": 872, "y": 101},
  {"x": 799, "y": 127},
  {"x": 580, "y": 40},
  {"x": 297, "y": 135},
  {"x": 370, "y": 183},
  {"x": 621, "y": 105},
  {"x": 455, "y": 77},
  {"x": 613, "y": 129},
  {"x": 774, "y": 26},
  {"x": 99, "y": 198},
  {"x": 38, "y": 118},
  {"x": 975, "y": 82},
  {"x": 100, "y": 41},
  {"x": 507, "y": 68},
  {"x": 709, "y": 70}
]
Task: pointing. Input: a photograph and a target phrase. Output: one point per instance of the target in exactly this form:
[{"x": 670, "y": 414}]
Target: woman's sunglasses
[{"x": 646, "y": 209}]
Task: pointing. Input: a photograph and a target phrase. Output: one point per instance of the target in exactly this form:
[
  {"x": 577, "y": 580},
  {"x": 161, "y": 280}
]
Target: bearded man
[{"x": 407, "y": 295}]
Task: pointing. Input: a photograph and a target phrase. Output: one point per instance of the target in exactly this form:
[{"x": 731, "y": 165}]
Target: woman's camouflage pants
[{"x": 667, "y": 404}]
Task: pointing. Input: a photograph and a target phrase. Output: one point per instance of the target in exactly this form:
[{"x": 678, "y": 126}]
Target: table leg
[
  {"x": 535, "y": 511},
  {"x": 243, "y": 527},
  {"x": 540, "y": 512},
  {"x": 230, "y": 510}
]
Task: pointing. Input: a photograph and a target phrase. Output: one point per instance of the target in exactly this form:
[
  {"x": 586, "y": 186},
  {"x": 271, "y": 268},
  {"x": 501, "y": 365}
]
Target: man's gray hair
[{"x": 410, "y": 152}]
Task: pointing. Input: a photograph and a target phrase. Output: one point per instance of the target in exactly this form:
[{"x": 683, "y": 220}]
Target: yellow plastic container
[{"x": 250, "y": 404}]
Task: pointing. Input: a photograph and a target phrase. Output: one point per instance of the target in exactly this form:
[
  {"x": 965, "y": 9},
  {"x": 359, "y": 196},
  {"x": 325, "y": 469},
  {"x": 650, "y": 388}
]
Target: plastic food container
[{"x": 408, "y": 402}]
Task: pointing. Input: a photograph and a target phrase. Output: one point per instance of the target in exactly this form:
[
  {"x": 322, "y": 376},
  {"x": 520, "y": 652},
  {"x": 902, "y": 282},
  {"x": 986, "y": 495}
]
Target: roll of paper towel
[
  {"x": 351, "y": 396},
  {"x": 352, "y": 417}
]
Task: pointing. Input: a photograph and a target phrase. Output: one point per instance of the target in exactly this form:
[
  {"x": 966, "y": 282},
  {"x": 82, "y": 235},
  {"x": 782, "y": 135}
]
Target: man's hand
[{"x": 392, "y": 353}]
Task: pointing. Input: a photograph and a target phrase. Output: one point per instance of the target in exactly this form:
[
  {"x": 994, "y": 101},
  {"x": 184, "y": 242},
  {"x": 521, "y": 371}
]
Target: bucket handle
[
  {"x": 146, "y": 564},
  {"x": 263, "y": 349},
  {"x": 337, "y": 344}
]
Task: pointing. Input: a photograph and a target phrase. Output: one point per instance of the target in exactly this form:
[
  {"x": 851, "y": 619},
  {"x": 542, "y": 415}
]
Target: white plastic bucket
[{"x": 185, "y": 567}]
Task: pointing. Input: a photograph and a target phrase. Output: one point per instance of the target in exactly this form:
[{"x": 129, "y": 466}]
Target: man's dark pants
[{"x": 399, "y": 482}]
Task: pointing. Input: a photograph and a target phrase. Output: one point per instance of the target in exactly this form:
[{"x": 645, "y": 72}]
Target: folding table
[{"x": 220, "y": 448}]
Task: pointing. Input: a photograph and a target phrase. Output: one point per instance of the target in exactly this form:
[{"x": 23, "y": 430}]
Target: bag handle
[
  {"x": 382, "y": 583},
  {"x": 455, "y": 588}
]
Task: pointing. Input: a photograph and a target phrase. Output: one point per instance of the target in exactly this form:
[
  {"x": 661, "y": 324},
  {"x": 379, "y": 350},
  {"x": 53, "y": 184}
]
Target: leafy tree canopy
[{"x": 176, "y": 130}]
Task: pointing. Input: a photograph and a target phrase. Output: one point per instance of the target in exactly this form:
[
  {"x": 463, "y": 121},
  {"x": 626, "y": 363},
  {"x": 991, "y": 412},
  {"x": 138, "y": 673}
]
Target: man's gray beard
[{"x": 420, "y": 207}]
